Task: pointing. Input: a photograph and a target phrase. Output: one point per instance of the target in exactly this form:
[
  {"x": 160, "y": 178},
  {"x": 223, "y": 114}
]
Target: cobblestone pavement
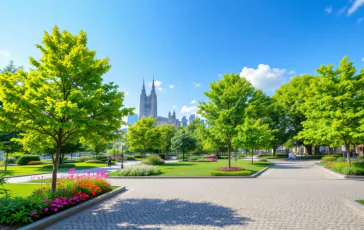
[{"x": 290, "y": 195}]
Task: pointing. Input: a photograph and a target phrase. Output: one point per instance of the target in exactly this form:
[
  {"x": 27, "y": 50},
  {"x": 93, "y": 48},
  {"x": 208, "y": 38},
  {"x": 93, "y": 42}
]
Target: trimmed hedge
[
  {"x": 263, "y": 160},
  {"x": 153, "y": 160},
  {"x": 232, "y": 173},
  {"x": 61, "y": 166},
  {"x": 329, "y": 158},
  {"x": 36, "y": 163},
  {"x": 23, "y": 160},
  {"x": 94, "y": 161},
  {"x": 314, "y": 157}
]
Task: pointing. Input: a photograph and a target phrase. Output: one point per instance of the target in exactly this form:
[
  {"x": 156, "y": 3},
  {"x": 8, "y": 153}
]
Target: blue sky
[{"x": 187, "y": 44}]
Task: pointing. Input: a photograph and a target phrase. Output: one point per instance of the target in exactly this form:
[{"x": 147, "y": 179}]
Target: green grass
[
  {"x": 21, "y": 189},
  {"x": 46, "y": 168},
  {"x": 204, "y": 168},
  {"x": 360, "y": 202}
]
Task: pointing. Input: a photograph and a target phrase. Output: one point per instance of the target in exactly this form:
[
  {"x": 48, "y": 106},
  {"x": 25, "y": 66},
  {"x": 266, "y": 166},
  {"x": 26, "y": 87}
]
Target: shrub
[
  {"x": 222, "y": 157},
  {"x": 95, "y": 161},
  {"x": 203, "y": 160},
  {"x": 11, "y": 160},
  {"x": 101, "y": 158},
  {"x": 83, "y": 159},
  {"x": 229, "y": 169},
  {"x": 263, "y": 160},
  {"x": 360, "y": 157},
  {"x": 139, "y": 170},
  {"x": 341, "y": 159},
  {"x": 35, "y": 163},
  {"x": 138, "y": 155},
  {"x": 194, "y": 158},
  {"x": 71, "y": 161},
  {"x": 352, "y": 171},
  {"x": 129, "y": 158},
  {"x": 232, "y": 173},
  {"x": 153, "y": 160},
  {"x": 314, "y": 157},
  {"x": 358, "y": 164},
  {"x": 162, "y": 155},
  {"x": 329, "y": 158},
  {"x": 23, "y": 160}
]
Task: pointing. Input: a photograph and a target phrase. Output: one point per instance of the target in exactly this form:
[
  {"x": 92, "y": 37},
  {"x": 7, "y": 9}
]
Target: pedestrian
[
  {"x": 109, "y": 162},
  {"x": 289, "y": 155}
]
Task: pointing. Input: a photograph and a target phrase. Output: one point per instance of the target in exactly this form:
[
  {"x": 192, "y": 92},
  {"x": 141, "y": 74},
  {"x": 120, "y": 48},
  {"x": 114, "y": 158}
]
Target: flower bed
[
  {"x": 72, "y": 189},
  {"x": 230, "y": 169}
]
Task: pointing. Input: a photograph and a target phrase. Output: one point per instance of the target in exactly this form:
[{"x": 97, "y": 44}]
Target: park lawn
[
  {"x": 204, "y": 168},
  {"x": 24, "y": 170},
  {"x": 22, "y": 190},
  {"x": 360, "y": 202}
]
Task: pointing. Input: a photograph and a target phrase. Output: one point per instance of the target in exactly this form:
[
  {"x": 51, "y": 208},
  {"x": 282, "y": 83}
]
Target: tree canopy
[{"x": 183, "y": 141}]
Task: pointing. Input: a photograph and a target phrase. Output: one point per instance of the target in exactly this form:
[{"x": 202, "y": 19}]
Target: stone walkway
[{"x": 290, "y": 195}]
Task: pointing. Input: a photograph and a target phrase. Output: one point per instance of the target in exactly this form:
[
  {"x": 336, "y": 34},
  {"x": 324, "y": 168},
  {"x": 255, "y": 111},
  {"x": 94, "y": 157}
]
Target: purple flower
[
  {"x": 45, "y": 200},
  {"x": 56, "y": 209},
  {"x": 46, "y": 209}
]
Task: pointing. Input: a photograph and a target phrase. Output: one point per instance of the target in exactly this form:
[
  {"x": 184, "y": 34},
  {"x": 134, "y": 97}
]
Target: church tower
[
  {"x": 142, "y": 104},
  {"x": 153, "y": 96}
]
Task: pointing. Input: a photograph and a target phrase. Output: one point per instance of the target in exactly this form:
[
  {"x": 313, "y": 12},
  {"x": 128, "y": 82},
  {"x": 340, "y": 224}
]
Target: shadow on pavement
[{"x": 137, "y": 213}]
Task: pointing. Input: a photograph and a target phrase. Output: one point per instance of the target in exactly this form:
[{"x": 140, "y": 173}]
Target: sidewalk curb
[
  {"x": 355, "y": 206},
  {"x": 193, "y": 177},
  {"x": 40, "y": 224},
  {"x": 340, "y": 176}
]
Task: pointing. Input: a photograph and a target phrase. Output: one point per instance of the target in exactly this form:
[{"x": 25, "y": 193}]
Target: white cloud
[
  {"x": 186, "y": 109},
  {"x": 4, "y": 53},
  {"x": 264, "y": 77},
  {"x": 355, "y": 6},
  {"x": 196, "y": 84},
  {"x": 171, "y": 86},
  {"x": 193, "y": 102},
  {"x": 328, "y": 9},
  {"x": 341, "y": 11},
  {"x": 291, "y": 72},
  {"x": 219, "y": 75},
  {"x": 160, "y": 89},
  {"x": 174, "y": 107},
  {"x": 156, "y": 83},
  {"x": 126, "y": 94},
  {"x": 362, "y": 59},
  {"x": 360, "y": 20}
]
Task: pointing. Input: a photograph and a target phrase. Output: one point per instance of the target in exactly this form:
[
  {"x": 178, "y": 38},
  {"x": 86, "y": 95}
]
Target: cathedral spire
[{"x": 153, "y": 87}]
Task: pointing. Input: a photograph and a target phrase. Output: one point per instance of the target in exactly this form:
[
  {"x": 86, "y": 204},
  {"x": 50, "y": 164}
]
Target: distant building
[
  {"x": 192, "y": 117},
  {"x": 184, "y": 121},
  {"x": 132, "y": 119},
  {"x": 148, "y": 107}
]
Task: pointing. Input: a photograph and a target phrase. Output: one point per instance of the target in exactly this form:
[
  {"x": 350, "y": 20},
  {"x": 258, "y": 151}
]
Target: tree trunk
[
  {"x": 6, "y": 160},
  {"x": 229, "y": 156},
  {"x": 347, "y": 146},
  {"x": 252, "y": 156},
  {"x": 309, "y": 149},
  {"x": 183, "y": 156},
  {"x": 274, "y": 151},
  {"x": 55, "y": 168}
]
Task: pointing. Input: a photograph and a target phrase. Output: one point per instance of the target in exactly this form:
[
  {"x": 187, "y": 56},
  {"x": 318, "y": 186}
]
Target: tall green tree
[
  {"x": 226, "y": 109},
  {"x": 11, "y": 68},
  {"x": 253, "y": 134},
  {"x": 336, "y": 111},
  {"x": 167, "y": 132},
  {"x": 8, "y": 145},
  {"x": 63, "y": 99},
  {"x": 144, "y": 135},
  {"x": 183, "y": 141},
  {"x": 290, "y": 97}
]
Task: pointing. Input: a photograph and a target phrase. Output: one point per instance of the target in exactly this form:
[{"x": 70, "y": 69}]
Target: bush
[
  {"x": 358, "y": 164},
  {"x": 67, "y": 165},
  {"x": 83, "y": 159},
  {"x": 138, "y": 155},
  {"x": 139, "y": 170},
  {"x": 352, "y": 171},
  {"x": 314, "y": 157},
  {"x": 230, "y": 169},
  {"x": 18, "y": 210},
  {"x": 263, "y": 160},
  {"x": 233, "y": 173},
  {"x": 153, "y": 160},
  {"x": 101, "y": 158},
  {"x": 94, "y": 161},
  {"x": 341, "y": 159},
  {"x": 36, "y": 163},
  {"x": 360, "y": 158},
  {"x": 129, "y": 158},
  {"x": 23, "y": 160},
  {"x": 162, "y": 155},
  {"x": 330, "y": 158},
  {"x": 70, "y": 161},
  {"x": 194, "y": 158},
  {"x": 222, "y": 157},
  {"x": 11, "y": 160}
]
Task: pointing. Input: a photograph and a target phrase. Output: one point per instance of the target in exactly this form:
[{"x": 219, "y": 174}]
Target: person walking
[{"x": 109, "y": 162}]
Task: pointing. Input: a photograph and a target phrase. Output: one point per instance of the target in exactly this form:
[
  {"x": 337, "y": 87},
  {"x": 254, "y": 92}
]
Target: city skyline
[{"x": 186, "y": 50}]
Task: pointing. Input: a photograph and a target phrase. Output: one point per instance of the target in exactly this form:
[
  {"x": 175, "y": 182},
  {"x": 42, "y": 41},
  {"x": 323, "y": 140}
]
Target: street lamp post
[{"x": 122, "y": 155}]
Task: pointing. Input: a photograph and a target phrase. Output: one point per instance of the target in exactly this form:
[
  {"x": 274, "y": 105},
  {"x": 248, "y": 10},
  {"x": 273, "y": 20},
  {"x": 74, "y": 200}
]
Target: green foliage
[
  {"x": 360, "y": 157},
  {"x": 16, "y": 211},
  {"x": 229, "y": 99},
  {"x": 183, "y": 142},
  {"x": 335, "y": 110},
  {"x": 63, "y": 99},
  {"x": 313, "y": 157},
  {"x": 341, "y": 159},
  {"x": 11, "y": 160},
  {"x": 23, "y": 160},
  {"x": 129, "y": 158},
  {"x": 329, "y": 158},
  {"x": 95, "y": 161},
  {"x": 167, "y": 132},
  {"x": 144, "y": 135},
  {"x": 153, "y": 160},
  {"x": 64, "y": 165},
  {"x": 233, "y": 173},
  {"x": 139, "y": 170},
  {"x": 138, "y": 155},
  {"x": 11, "y": 68},
  {"x": 263, "y": 160},
  {"x": 194, "y": 158}
]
